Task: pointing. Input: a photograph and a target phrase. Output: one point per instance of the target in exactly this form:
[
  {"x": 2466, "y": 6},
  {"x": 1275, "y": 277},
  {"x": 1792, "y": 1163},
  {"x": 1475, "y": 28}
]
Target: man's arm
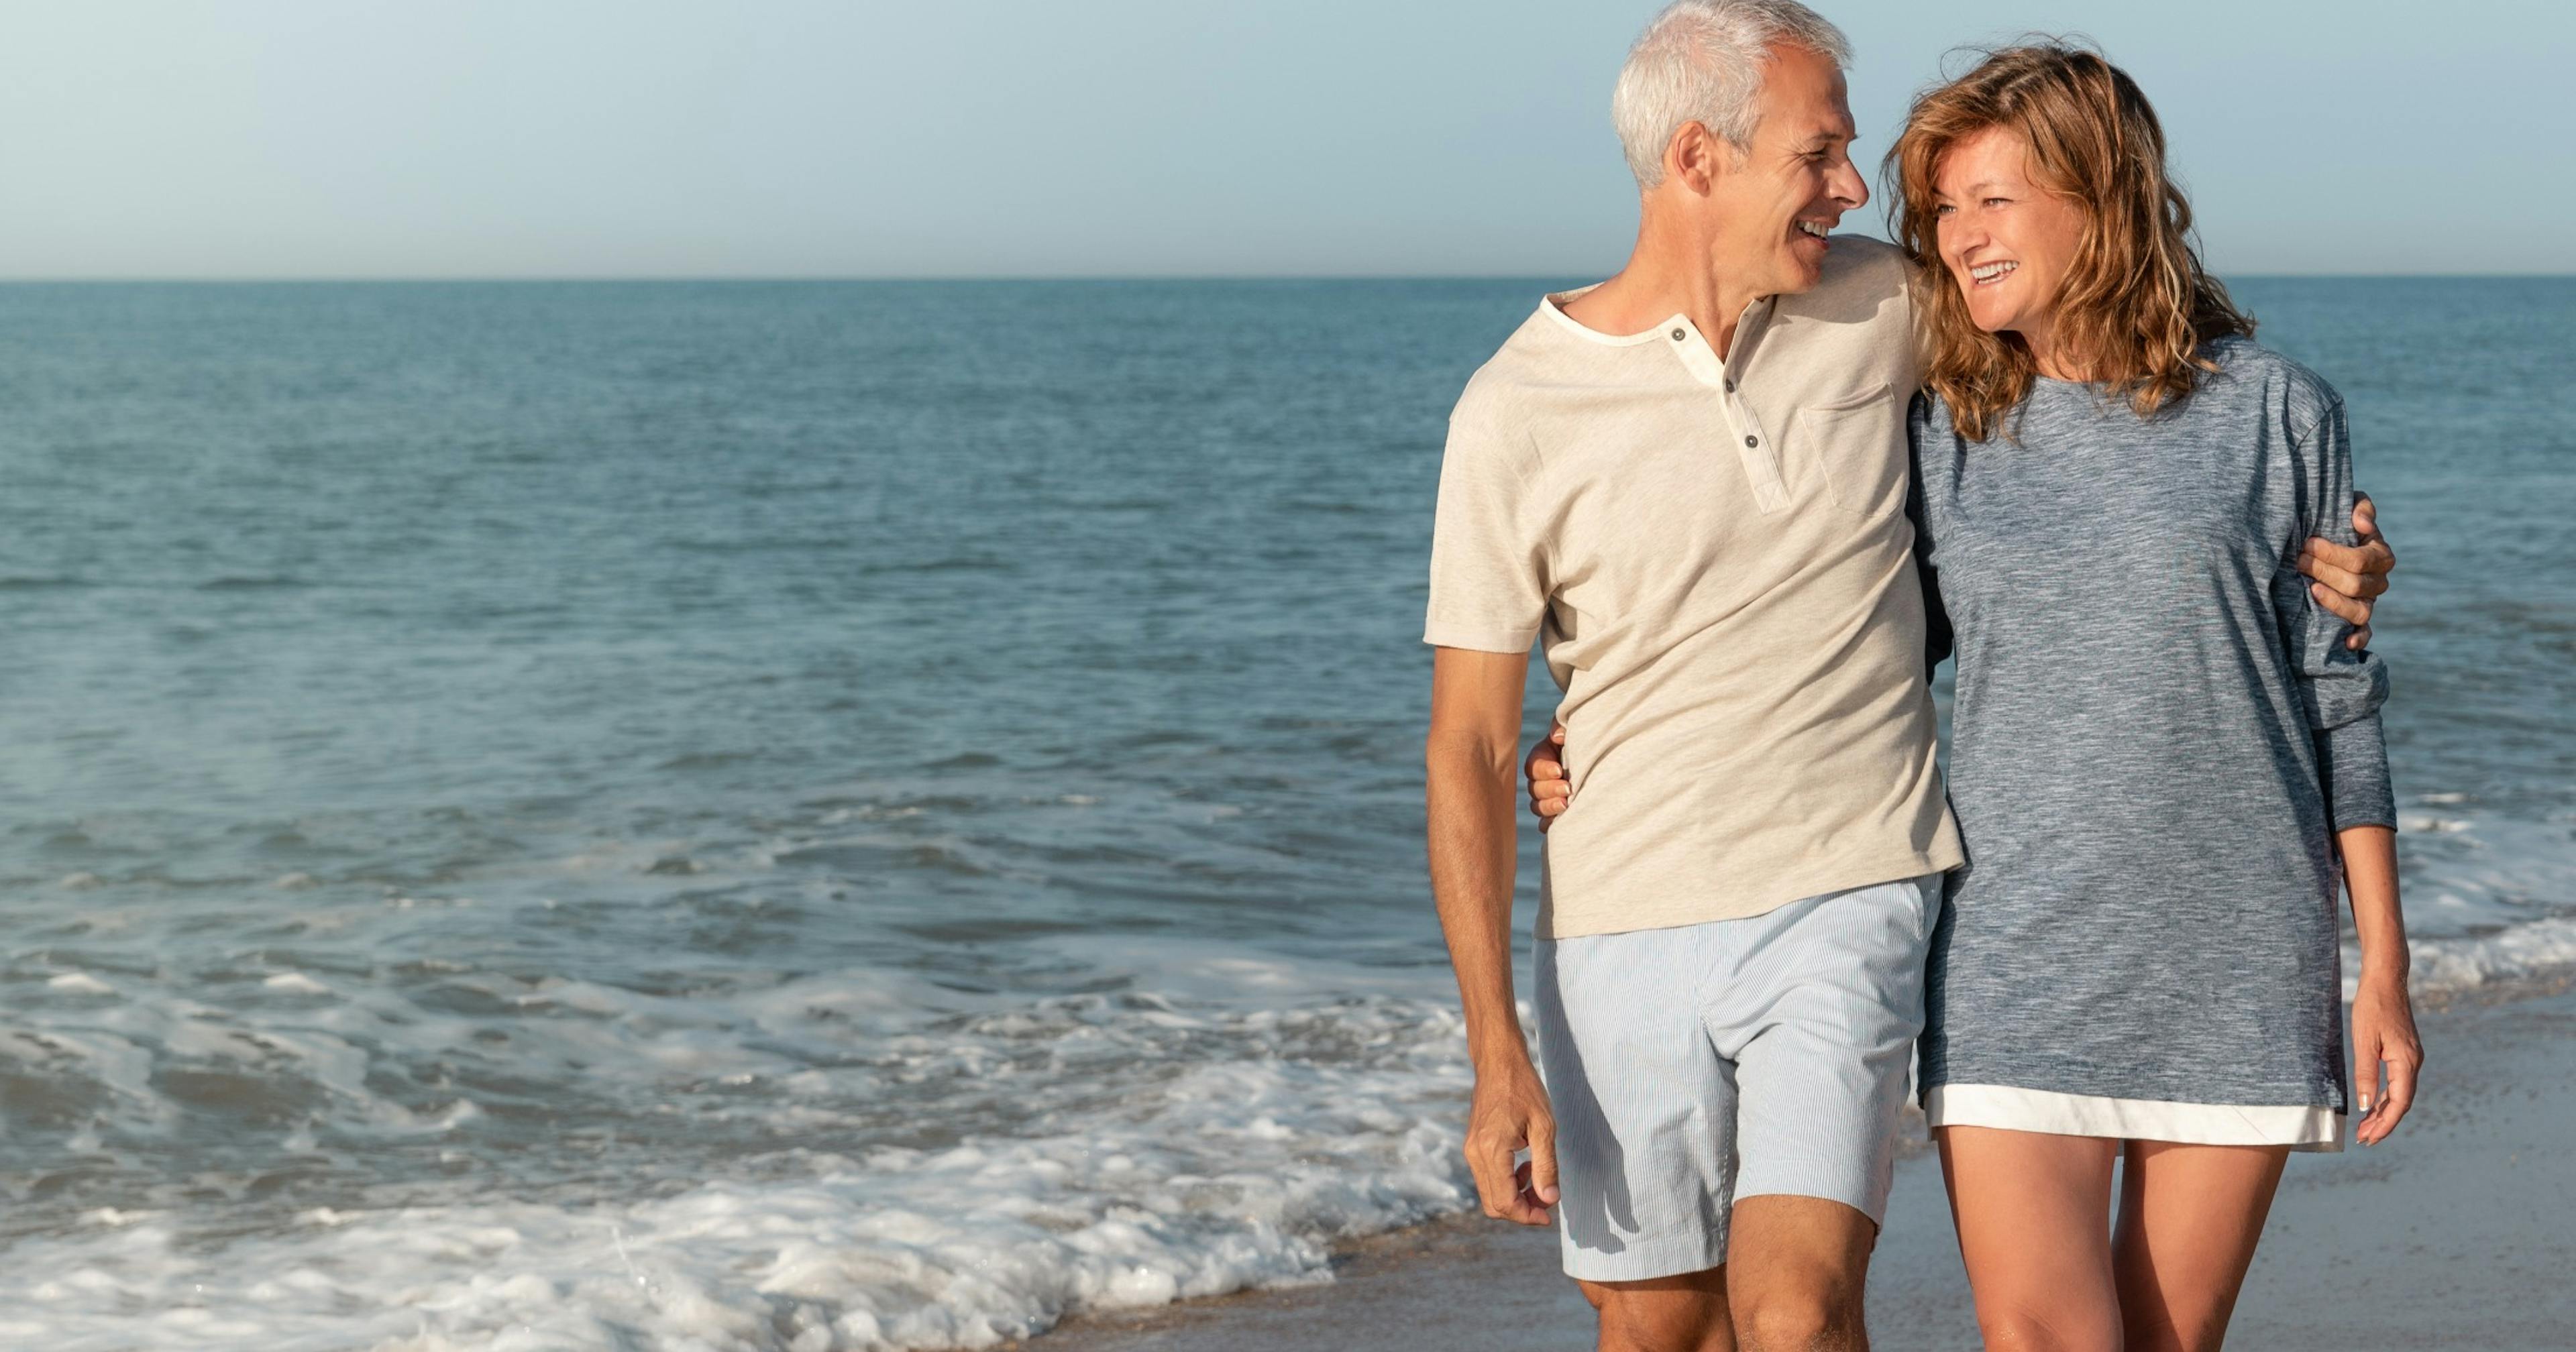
[{"x": 1469, "y": 760}]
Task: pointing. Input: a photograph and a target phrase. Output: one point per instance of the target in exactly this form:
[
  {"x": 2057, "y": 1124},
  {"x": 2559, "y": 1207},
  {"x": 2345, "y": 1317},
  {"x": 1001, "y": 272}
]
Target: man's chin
[{"x": 1799, "y": 274}]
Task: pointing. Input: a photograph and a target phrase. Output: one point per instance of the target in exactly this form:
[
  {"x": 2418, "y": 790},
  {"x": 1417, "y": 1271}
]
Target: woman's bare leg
[
  {"x": 2034, "y": 1218},
  {"x": 2190, "y": 1216}
]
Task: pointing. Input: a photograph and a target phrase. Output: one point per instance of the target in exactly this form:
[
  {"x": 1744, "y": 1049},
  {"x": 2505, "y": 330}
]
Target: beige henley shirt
[{"x": 1716, "y": 555}]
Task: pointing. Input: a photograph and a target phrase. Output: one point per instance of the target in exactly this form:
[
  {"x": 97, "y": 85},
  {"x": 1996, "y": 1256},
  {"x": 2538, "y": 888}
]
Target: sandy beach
[{"x": 2456, "y": 1234}]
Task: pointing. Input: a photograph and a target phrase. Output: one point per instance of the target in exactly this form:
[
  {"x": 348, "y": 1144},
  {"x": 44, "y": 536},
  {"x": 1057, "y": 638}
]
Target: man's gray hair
[{"x": 1701, "y": 61}]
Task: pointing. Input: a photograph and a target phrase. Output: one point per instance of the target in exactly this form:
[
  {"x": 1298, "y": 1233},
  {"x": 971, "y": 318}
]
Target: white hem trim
[{"x": 2011, "y": 1108}]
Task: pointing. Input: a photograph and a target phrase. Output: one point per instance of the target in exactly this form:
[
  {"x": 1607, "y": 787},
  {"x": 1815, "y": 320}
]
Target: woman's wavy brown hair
[{"x": 2136, "y": 304}]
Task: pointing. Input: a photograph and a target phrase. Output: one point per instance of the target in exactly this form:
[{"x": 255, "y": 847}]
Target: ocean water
[{"x": 816, "y": 816}]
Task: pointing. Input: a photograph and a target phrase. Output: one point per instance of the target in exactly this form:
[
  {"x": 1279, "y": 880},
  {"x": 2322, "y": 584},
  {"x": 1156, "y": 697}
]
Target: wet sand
[{"x": 2459, "y": 1233}]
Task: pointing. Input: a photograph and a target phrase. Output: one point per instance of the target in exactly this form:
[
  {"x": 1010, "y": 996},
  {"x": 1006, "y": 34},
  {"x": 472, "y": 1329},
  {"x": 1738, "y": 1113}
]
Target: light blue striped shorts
[{"x": 1692, "y": 1066}]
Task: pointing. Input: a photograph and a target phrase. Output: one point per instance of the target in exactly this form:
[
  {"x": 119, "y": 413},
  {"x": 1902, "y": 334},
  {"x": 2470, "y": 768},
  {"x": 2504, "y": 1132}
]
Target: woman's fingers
[
  {"x": 2401, "y": 1096},
  {"x": 1545, "y": 759},
  {"x": 1550, "y": 791},
  {"x": 2383, "y": 1042},
  {"x": 2402, "y": 1065}
]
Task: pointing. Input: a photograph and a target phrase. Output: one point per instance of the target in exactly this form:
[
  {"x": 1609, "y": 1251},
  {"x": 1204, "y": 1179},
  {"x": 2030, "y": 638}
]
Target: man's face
[{"x": 1775, "y": 204}]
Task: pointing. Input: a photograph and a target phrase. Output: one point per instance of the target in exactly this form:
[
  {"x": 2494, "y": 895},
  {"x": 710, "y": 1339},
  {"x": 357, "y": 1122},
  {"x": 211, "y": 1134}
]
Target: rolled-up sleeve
[
  {"x": 2341, "y": 689},
  {"x": 1489, "y": 582}
]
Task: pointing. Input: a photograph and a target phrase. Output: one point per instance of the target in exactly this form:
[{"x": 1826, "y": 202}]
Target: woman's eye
[
  {"x": 1942, "y": 211},
  {"x": 1998, "y": 201}
]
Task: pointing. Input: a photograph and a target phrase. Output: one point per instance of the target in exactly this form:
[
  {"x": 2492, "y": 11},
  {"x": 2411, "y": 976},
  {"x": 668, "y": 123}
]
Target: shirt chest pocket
[{"x": 1858, "y": 446}]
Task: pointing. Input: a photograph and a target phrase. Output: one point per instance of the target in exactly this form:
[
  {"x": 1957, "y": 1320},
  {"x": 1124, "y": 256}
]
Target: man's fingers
[
  {"x": 1490, "y": 1162},
  {"x": 2351, "y": 577},
  {"x": 2358, "y": 639},
  {"x": 2365, "y": 523},
  {"x": 2341, "y": 606},
  {"x": 2331, "y": 572},
  {"x": 1528, "y": 1208},
  {"x": 2370, "y": 559},
  {"x": 1542, "y": 1160}
]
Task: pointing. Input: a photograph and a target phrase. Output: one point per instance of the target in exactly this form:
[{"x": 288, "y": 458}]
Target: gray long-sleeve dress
[{"x": 2156, "y": 735}]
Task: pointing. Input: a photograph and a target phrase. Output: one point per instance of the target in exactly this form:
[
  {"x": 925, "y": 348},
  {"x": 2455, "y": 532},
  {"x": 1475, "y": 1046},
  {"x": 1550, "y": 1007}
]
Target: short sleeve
[
  {"x": 1914, "y": 359},
  {"x": 1489, "y": 581}
]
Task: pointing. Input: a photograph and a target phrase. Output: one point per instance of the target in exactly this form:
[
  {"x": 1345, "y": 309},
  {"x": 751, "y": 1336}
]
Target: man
[{"x": 1689, "y": 481}]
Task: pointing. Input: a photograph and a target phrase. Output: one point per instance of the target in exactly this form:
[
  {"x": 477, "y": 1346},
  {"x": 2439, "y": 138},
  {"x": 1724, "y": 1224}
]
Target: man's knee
[
  {"x": 1670, "y": 1314},
  {"x": 1799, "y": 1264},
  {"x": 1798, "y": 1320}
]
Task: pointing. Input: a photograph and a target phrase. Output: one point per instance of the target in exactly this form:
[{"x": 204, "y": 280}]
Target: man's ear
[{"x": 1695, "y": 158}]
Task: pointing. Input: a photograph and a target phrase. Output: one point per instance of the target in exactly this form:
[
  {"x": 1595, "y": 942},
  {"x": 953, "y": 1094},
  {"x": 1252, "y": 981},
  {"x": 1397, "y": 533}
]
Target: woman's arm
[{"x": 2383, "y": 1018}]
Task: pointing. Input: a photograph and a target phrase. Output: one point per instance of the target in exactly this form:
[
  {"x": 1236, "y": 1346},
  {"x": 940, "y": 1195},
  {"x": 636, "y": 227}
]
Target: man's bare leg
[
  {"x": 1795, "y": 1271},
  {"x": 1665, "y": 1314}
]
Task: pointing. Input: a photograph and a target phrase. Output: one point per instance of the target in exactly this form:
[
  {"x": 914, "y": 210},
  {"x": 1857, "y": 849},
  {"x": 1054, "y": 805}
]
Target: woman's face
[{"x": 2006, "y": 240}]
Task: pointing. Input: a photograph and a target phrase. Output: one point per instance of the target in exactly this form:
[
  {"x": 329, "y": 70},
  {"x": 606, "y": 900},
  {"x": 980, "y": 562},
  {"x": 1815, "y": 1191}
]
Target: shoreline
[{"x": 2455, "y": 1233}]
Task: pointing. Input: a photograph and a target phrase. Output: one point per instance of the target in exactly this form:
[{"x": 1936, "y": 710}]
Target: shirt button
[
  {"x": 1753, "y": 441},
  {"x": 1678, "y": 335},
  {"x": 1730, "y": 387}
]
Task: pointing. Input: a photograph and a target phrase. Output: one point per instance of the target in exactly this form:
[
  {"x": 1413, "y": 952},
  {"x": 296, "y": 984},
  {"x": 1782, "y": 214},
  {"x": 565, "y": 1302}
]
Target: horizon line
[{"x": 540, "y": 279}]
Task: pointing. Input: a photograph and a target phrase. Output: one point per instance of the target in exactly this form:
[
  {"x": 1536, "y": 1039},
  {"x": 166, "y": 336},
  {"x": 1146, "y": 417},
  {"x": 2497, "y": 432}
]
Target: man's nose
[{"x": 1850, "y": 190}]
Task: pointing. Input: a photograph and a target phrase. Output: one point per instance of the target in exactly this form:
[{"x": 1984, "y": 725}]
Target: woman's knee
[{"x": 2032, "y": 1325}]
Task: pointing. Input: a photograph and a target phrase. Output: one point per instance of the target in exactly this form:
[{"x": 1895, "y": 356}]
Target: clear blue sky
[{"x": 517, "y": 138}]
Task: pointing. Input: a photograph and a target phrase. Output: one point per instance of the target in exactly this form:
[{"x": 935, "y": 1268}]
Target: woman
[
  {"x": 2163, "y": 752},
  {"x": 2140, "y": 961}
]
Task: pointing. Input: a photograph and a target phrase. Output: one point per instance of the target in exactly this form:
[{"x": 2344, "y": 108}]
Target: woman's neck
[{"x": 2050, "y": 356}]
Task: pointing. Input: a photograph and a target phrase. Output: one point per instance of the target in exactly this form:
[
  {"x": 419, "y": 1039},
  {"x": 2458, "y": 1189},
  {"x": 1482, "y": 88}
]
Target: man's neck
[{"x": 1665, "y": 275}]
